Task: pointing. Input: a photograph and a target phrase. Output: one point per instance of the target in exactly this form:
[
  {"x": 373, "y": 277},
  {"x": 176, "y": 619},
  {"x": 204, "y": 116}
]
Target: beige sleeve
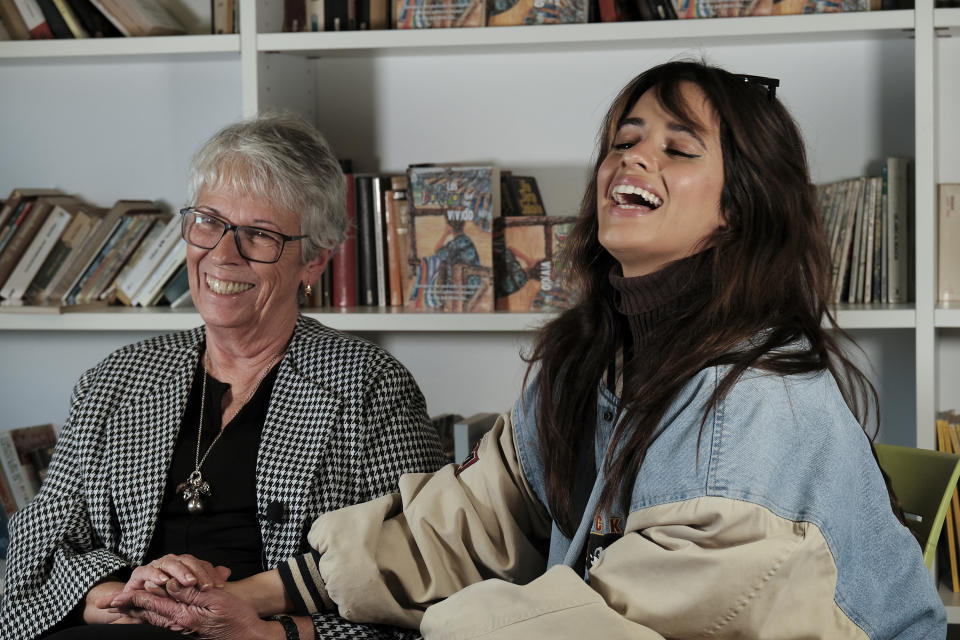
[
  {"x": 386, "y": 560},
  {"x": 703, "y": 568},
  {"x": 723, "y": 568}
]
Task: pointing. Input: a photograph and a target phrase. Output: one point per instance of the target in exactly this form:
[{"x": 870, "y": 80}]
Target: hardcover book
[
  {"x": 503, "y": 13},
  {"x": 426, "y": 14},
  {"x": 525, "y": 196},
  {"x": 343, "y": 264},
  {"x": 529, "y": 269},
  {"x": 452, "y": 209},
  {"x": 948, "y": 239},
  {"x": 366, "y": 242}
]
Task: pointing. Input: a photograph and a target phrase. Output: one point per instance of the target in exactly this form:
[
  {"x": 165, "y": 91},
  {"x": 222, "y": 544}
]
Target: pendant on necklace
[{"x": 193, "y": 491}]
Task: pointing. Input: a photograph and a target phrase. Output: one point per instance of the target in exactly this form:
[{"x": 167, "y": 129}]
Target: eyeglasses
[
  {"x": 205, "y": 231},
  {"x": 770, "y": 84}
]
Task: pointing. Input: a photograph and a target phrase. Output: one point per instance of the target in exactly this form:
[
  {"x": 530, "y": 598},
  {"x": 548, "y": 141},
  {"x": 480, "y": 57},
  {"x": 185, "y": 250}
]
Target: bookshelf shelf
[
  {"x": 804, "y": 28},
  {"x": 365, "y": 320},
  {"x": 358, "y": 320},
  {"x": 118, "y": 47}
]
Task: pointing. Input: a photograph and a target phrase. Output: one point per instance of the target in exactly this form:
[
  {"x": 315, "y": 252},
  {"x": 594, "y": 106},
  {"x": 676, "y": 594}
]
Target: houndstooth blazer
[{"x": 345, "y": 420}]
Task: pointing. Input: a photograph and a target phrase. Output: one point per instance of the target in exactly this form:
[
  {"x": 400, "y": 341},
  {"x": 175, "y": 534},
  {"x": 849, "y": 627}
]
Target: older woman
[{"x": 224, "y": 442}]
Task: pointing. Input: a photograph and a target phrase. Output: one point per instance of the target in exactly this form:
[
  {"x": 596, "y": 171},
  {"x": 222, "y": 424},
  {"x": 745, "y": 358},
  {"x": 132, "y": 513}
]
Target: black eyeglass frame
[
  {"x": 770, "y": 84},
  {"x": 227, "y": 227}
]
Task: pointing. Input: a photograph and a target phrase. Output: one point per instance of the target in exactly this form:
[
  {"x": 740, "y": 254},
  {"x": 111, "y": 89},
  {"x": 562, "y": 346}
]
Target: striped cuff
[{"x": 303, "y": 584}]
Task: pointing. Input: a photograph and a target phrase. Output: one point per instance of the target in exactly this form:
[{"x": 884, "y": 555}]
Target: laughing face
[
  {"x": 658, "y": 188},
  {"x": 233, "y": 293}
]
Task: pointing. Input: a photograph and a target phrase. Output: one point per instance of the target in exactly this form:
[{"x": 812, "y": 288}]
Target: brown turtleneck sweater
[{"x": 651, "y": 300}]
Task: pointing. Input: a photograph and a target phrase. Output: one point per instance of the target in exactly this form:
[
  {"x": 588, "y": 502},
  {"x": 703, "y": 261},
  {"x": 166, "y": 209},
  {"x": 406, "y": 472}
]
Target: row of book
[
  {"x": 869, "y": 224},
  {"x": 45, "y": 19},
  {"x": 948, "y": 439},
  {"x": 57, "y": 251},
  {"x": 25, "y": 454},
  {"x": 342, "y": 15},
  {"x": 448, "y": 238}
]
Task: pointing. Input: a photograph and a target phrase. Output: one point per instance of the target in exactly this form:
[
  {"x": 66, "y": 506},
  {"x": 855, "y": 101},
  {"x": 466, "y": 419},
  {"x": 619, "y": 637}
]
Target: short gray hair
[{"x": 281, "y": 158}]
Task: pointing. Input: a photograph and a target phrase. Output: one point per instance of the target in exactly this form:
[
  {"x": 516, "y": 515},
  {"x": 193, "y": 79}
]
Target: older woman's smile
[{"x": 226, "y": 287}]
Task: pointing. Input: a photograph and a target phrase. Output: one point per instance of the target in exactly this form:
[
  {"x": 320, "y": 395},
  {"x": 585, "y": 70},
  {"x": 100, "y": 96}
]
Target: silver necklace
[{"x": 195, "y": 489}]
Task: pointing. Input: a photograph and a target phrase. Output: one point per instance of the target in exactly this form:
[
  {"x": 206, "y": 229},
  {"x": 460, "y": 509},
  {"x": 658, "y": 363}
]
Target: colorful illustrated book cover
[
  {"x": 528, "y": 263},
  {"x": 737, "y": 8},
  {"x": 429, "y": 14},
  {"x": 452, "y": 209},
  {"x": 502, "y": 13}
]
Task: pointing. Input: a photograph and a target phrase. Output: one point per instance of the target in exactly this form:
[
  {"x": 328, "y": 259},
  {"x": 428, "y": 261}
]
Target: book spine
[
  {"x": 948, "y": 238},
  {"x": 16, "y": 475},
  {"x": 12, "y": 225},
  {"x": 857, "y": 248},
  {"x": 153, "y": 289},
  {"x": 315, "y": 15},
  {"x": 112, "y": 18},
  {"x": 898, "y": 210},
  {"x": 32, "y": 259},
  {"x": 393, "y": 248},
  {"x": 344, "y": 261},
  {"x": 380, "y": 239},
  {"x": 12, "y": 19},
  {"x": 158, "y": 249},
  {"x": 33, "y": 18},
  {"x": 366, "y": 256},
  {"x": 71, "y": 20},
  {"x": 20, "y": 239},
  {"x": 877, "y": 238}
]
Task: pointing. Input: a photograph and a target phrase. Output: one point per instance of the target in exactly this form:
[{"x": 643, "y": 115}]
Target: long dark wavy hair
[{"x": 770, "y": 284}]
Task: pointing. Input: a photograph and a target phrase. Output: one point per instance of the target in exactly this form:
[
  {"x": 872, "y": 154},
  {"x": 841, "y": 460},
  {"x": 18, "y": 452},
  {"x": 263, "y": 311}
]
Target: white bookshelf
[{"x": 120, "y": 118}]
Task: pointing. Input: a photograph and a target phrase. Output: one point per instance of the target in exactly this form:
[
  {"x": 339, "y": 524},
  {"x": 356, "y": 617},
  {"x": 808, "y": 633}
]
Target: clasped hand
[{"x": 183, "y": 593}]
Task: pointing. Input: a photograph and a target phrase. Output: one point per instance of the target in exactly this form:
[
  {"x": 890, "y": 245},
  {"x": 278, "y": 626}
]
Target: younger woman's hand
[{"x": 185, "y": 569}]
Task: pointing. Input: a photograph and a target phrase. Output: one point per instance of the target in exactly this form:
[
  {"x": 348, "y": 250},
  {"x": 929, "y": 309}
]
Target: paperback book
[
  {"x": 529, "y": 267},
  {"x": 452, "y": 209}
]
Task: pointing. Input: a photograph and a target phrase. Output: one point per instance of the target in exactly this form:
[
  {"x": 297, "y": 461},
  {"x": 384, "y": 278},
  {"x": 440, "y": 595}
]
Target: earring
[{"x": 307, "y": 290}]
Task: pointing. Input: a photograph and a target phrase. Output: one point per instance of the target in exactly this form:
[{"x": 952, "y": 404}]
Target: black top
[{"x": 228, "y": 531}]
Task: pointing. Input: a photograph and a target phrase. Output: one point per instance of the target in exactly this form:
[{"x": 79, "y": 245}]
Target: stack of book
[
  {"x": 948, "y": 439},
  {"x": 869, "y": 225},
  {"x": 44, "y": 19},
  {"x": 25, "y": 454},
  {"x": 448, "y": 238},
  {"x": 58, "y": 251}
]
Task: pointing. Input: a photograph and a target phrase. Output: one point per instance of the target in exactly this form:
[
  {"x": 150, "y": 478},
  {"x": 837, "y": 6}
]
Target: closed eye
[{"x": 681, "y": 154}]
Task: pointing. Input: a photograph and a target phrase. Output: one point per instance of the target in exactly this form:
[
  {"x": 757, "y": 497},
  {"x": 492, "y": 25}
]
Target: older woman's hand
[
  {"x": 213, "y": 614},
  {"x": 185, "y": 569}
]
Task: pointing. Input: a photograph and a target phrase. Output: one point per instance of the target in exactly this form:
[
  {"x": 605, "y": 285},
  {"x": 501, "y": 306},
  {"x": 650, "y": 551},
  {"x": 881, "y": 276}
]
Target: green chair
[{"x": 924, "y": 482}]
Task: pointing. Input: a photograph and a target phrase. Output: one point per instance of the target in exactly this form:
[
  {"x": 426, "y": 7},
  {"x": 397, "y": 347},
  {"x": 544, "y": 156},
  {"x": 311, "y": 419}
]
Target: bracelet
[{"x": 289, "y": 627}]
